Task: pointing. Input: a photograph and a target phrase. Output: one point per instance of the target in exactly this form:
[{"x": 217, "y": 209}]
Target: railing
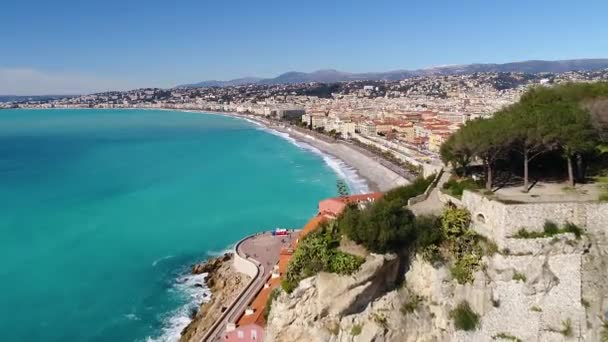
[{"x": 259, "y": 267}]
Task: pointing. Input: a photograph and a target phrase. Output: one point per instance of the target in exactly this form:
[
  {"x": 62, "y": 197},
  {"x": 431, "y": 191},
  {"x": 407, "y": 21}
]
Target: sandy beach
[{"x": 377, "y": 176}]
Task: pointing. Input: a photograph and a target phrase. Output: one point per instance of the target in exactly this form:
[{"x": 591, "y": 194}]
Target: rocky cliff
[{"x": 551, "y": 289}]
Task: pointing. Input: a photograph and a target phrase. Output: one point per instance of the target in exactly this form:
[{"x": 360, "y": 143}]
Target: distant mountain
[
  {"x": 328, "y": 76},
  {"x": 214, "y": 83}
]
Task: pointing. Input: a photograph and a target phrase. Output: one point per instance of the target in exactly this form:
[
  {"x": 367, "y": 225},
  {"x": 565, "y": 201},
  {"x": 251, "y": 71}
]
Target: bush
[
  {"x": 404, "y": 193},
  {"x": 456, "y": 188},
  {"x": 567, "y": 328},
  {"x": 465, "y": 267},
  {"x": 464, "y": 317},
  {"x": 385, "y": 226},
  {"x": 519, "y": 276},
  {"x": 318, "y": 251},
  {"x": 411, "y": 305},
  {"x": 356, "y": 329},
  {"x": 551, "y": 228},
  {"x": 505, "y": 336}
]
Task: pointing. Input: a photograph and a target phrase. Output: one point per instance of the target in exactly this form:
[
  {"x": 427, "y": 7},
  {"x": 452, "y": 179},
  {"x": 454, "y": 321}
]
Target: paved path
[
  {"x": 264, "y": 250},
  {"x": 432, "y": 205}
]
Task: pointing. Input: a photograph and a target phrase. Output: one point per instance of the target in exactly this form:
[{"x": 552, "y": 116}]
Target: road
[{"x": 263, "y": 250}]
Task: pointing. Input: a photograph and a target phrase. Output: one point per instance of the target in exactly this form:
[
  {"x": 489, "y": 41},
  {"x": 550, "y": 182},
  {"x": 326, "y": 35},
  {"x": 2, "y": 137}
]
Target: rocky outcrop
[
  {"x": 225, "y": 284},
  {"x": 534, "y": 295},
  {"x": 313, "y": 311}
]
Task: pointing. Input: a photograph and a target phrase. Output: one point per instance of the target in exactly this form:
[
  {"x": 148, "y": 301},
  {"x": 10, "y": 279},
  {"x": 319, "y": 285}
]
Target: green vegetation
[
  {"x": 356, "y": 330},
  {"x": 455, "y": 187},
  {"x": 604, "y": 333},
  {"x": 563, "y": 125},
  {"x": 536, "y": 308},
  {"x": 506, "y": 336},
  {"x": 464, "y": 317},
  {"x": 567, "y": 328},
  {"x": 519, "y": 276},
  {"x": 551, "y": 229},
  {"x": 273, "y": 295},
  {"x": 318, "y": 251},
  {"x": 380, "y": 319},
  {"x": 585, "y": 303},
  {"x": 411, "y": 304},
  {"x": 386, "y": 225}
]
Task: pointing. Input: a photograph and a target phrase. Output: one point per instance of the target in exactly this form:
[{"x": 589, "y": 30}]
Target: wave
[
  {"x": 215, "y": 254},
  {"x": 155, "y": 262},
  {"x": 349, "y": 174},
  {"x": 197, "y": 292}
]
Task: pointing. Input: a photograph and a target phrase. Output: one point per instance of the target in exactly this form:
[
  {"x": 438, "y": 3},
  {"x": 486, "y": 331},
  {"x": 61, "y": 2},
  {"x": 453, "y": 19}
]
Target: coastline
[{"x": 356, "y": 167}]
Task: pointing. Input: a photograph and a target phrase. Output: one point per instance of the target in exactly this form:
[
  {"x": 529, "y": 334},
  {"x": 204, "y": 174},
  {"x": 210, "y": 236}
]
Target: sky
[{"x": 83, "y": 46}]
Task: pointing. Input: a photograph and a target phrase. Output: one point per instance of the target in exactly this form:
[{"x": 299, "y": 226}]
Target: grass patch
[
  {"x": 411, "y": 305},
  {"x": 456, "y": 188},
  {"x": 519, "y": 276},
  {"x": 585, "y": 303},
  {"x": 380, "y": 319},
  {"x": 567, "y": 328},
  {"x": 356, "y": 330},
  {"x": 506, "y": 336},
  {"x": 464, "y": 317},
  {"x": 550, "y": 229},
  {"x": 536, "y": 308},
  {"x": 604, "y": 333}
]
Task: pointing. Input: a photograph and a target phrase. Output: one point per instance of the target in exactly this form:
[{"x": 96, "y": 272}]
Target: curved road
[{"x": 263, "y": 251}]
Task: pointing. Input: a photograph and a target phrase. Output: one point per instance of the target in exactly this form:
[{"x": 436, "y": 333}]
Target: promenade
[{"x": 263, "y": 250}]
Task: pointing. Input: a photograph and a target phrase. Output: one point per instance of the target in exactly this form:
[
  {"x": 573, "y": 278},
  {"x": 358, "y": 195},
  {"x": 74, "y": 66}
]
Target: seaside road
[{"x": 264, "y": 250}]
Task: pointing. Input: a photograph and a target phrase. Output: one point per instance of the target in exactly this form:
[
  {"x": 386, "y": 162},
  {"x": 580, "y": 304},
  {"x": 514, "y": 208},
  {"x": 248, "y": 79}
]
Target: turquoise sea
[{"x": 102, "y": 212}]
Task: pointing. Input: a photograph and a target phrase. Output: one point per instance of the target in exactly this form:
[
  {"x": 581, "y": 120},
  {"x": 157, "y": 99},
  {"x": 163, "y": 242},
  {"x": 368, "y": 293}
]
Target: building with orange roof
[
  {"x": 250, "y": 326},
  {"x": 333, "y": 207}
]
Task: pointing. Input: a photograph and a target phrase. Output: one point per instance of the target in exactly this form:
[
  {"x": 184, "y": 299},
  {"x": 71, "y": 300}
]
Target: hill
[{"x": 330, "y": 75}]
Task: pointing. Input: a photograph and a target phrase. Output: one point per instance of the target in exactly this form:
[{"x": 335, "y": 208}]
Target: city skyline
[{"x": 69, "y": 47}]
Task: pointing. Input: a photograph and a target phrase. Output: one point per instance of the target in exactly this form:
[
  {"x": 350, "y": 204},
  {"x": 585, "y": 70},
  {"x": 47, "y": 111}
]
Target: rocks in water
[{"x": 210, "y": 265}]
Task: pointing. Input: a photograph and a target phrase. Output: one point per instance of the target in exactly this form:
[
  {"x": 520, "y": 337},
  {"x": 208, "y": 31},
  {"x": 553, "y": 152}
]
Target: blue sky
[{"x": 65, "y": 46}]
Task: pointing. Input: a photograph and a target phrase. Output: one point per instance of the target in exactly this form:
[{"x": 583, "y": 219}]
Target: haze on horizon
[{"x": 74, "y": 47}]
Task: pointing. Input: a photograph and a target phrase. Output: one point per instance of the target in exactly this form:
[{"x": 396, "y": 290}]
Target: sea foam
[
  {"x": 355, "y": 182},
  {"x": 195, "y": 288}
]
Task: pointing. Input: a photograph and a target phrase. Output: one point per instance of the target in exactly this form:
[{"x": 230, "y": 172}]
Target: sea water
[{"x": 102, "y": 212}]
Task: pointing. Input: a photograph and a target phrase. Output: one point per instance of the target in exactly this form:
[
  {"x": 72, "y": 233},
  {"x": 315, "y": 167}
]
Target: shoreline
[
  {"x": 351, "y": 165},
  {"x": 376, "y": 176}
]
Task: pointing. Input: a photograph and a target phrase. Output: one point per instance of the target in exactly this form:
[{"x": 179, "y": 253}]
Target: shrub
[
  {"x": 574, "y": 229},
  {"x": 318, "y": 251},
  {"x": 385, "y": 226},
  {"x": 288, "y": 286},
  {"x": 404, "y": 193},
  {"x": 464, "y": 317},
  {"x": 464, "y": 268},
  {"x": 536, "y": 308},
  {"x": 456, "y": 188},
  {"x": 455, "y": 221},
  {"x": 356, "y": 329},
  {"x": 567, "y": 328},
  {"x": 519, "y": 276},
  {"x": 551, "y": 228},
  {"x": 604, "y": 334},
  {"x": 411, "y": 304}
]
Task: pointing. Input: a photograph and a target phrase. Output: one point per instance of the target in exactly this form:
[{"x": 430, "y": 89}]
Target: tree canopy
[{"x": 571, "y": 119}]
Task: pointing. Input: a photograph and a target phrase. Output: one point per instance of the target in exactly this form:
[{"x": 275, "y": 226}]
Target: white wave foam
[
  {"x": 215, "y": 254},
  {"x": 349, "y": 174},
  {"x": 194, "y": 286},
  {"x": 155, "y": 262}
]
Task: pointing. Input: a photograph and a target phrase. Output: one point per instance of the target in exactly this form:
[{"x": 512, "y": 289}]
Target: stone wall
[
  {"x": 244, "y": 265},
  {"x": 501, "y": 220}
]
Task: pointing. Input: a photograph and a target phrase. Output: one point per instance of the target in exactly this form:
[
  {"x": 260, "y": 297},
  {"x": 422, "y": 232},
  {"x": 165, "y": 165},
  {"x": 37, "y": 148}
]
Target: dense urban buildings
[{"x": 409, "y": 118}]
